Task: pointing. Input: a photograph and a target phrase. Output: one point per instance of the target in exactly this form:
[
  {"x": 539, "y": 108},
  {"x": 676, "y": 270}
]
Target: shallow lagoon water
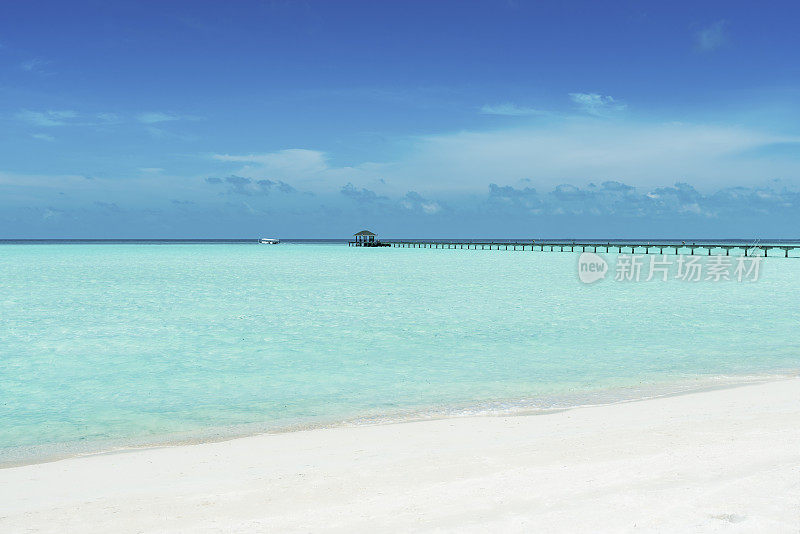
[{"x": 130, "y": 344}]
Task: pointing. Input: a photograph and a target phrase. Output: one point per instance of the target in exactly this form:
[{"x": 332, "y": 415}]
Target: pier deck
[{"x": 705, "y": 249}]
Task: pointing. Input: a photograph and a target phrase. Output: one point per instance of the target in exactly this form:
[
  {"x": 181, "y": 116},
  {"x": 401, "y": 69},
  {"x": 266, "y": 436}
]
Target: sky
[{"x": 462, "y": 119}]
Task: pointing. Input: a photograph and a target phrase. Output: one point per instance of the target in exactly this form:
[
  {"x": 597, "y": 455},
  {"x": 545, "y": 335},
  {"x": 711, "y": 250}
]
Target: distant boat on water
[{"x": 269, "y": 241}]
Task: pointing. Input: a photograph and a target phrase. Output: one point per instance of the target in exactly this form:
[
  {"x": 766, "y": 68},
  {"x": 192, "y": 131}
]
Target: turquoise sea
[{"x": 115, "y": 345}]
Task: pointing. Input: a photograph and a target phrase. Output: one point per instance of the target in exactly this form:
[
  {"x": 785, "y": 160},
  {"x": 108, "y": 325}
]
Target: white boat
[{"x": 268, "y": 241}]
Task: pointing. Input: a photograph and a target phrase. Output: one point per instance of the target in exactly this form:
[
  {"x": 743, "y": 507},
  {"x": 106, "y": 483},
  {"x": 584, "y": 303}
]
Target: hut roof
[{"x": 365, "y": 232}]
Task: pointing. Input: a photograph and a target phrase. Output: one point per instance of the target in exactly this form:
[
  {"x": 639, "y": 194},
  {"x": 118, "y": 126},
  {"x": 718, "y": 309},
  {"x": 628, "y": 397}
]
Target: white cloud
[
  {"x": 415, "y": 201},
  {"x": 295, "y": 161},
  {"x": 596, "y": 104},
  {"x": 582, "y": 150},
  {"x": 51, "y": 118},
  {"x": 59, "y": 181},
  {"x": 713, "y": 36},
  {"x": 46, "y": 118},
  {"x": 153, "y": 117},
  {"x": 306, "y": 169},
  {"x": 43, "y": 137},
  {"x": 108, "y": 117},
  {"x": 160, "y": 133},
  {"x": 556, "y": 150},
  {"x": 78, "y": 190},
  {"x": 34, "y": 65},
  {"x": 511, "y": 110}
]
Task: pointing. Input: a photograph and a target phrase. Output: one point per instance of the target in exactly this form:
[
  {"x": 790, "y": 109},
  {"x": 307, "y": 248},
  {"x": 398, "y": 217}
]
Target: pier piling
[{"x": 720, "y": 248}]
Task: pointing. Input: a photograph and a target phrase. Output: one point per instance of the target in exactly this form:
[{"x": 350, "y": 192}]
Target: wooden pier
[{"x": 695, "y": 249}]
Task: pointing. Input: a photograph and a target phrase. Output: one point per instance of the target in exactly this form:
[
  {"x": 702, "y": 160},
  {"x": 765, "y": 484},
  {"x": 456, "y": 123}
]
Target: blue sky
[{"x": 414, "y": 119}]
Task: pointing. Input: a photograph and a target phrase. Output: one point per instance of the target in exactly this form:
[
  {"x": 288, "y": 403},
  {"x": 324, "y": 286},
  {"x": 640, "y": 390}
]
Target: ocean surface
[{"x": 105, "y": 346}]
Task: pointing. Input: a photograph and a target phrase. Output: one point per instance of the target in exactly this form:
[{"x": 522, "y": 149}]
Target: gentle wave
[{"x": 19, "y": 456}]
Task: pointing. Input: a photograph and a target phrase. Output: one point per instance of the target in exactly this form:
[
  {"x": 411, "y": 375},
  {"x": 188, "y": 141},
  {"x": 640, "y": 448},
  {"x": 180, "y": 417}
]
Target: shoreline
[
  {"x": 725, "y": 458},
  {"x": 512, "y": 408}
]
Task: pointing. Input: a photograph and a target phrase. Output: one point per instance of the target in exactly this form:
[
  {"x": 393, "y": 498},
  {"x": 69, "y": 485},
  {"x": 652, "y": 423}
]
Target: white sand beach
[{"x": 716, "y": 461}]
